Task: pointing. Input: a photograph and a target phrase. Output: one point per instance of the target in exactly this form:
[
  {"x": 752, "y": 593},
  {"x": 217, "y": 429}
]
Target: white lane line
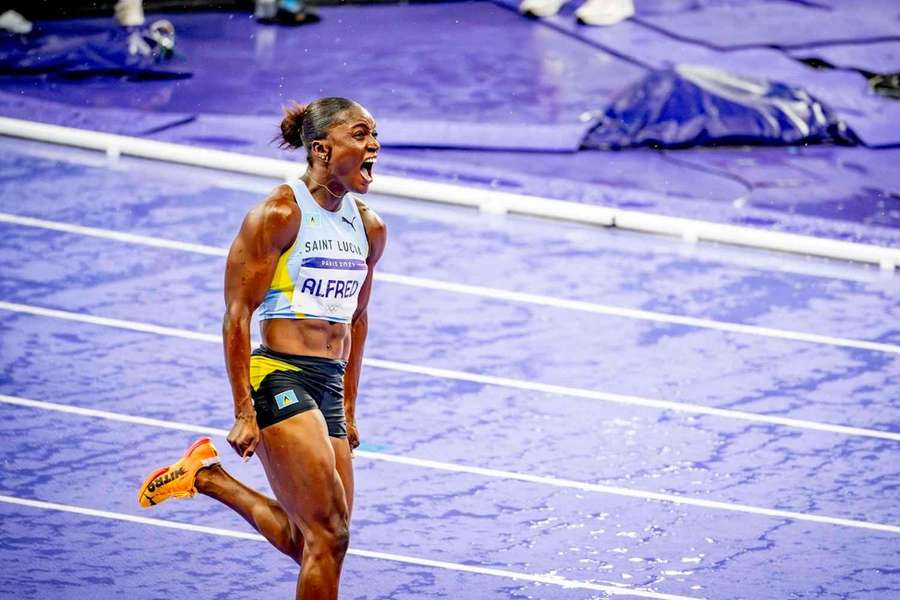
[
  {"x": 561, "y": 390},
  {"x": 107, "y": 322},
  {"x": 643, "y": 315},
  {"x": 485, "y": 292},
  {"x": 108, "y": 234},
  {"x": 531, "y": 386},
  {"x": 480, "y": 471},
  {"x": 410, "y": 560}
]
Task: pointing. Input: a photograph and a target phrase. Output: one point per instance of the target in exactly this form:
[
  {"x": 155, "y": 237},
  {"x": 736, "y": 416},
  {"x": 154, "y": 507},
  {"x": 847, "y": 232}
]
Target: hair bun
[{"x": 292, "y": 126}]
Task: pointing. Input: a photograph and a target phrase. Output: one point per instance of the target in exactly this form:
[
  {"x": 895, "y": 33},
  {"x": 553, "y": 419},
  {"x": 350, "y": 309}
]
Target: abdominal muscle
[{"x": 307, "y": 337}]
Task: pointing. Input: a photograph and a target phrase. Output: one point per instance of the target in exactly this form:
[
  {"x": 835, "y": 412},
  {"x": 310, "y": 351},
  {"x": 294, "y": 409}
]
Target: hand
[
  {"x": 352, "y": 435},
  {"x": 244, "y": 435}
]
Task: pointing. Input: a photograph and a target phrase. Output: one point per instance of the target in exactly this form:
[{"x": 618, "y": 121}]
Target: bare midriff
[{"x": 307, "y": 337}]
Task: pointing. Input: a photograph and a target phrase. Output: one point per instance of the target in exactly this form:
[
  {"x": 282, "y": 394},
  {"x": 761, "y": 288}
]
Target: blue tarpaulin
[
  {"x": 107, "y": 51},
  {"x": 692, "y": 105}
]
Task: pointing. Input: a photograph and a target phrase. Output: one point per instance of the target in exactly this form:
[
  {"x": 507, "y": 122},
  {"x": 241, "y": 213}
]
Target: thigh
[
  {"x": 344, "y": 464},
  {"x": 300, "y": 464}
]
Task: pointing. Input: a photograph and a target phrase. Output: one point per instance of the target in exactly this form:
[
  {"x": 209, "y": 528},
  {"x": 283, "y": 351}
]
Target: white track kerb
[{"x": 487, "y": 200}]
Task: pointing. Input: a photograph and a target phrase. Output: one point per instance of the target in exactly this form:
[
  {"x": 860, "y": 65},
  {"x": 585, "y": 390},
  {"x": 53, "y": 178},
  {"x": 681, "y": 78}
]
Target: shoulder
[
  {"x": 376, "y": 230},
  {"x": 276, "y": 218},
  {"x": 280, "y": 207},
  {"x": 374, "y": 225}
]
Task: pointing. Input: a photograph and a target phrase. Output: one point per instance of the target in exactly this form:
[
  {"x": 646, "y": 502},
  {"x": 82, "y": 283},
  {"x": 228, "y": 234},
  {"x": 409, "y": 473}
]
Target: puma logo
[{"x": 350, "y": 223}]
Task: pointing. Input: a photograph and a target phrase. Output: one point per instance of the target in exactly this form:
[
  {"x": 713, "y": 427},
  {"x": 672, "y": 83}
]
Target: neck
[{"x": 327, "y": 192}]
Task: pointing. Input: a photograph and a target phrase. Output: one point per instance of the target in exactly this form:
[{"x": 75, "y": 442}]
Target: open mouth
[{"x": 367, "y": 168}]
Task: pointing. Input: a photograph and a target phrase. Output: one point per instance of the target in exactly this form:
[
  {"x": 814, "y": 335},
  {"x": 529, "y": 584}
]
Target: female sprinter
[{"x": 305, "y": 258}]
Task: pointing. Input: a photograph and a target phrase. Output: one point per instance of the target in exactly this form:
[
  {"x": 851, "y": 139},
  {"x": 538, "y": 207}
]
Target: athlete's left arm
[{"x": 376, "y": 231}]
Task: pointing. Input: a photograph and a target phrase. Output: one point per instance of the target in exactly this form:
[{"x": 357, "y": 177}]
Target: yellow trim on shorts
[{"x": 261, "y": 366}]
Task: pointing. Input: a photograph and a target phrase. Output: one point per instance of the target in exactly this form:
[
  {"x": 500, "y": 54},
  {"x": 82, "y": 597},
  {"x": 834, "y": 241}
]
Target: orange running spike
[{"x": 177, "y": 480}]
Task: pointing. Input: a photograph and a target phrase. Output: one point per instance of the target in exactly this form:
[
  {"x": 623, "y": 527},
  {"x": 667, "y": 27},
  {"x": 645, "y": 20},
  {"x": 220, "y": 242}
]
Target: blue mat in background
[
  {"x": 877, "y": 57},
  {"x": 765, "y": 23},
  {"x": 455, "y": 70},
  {"x": 122, "y": 121},
  {"x": 248, "y": 131}
]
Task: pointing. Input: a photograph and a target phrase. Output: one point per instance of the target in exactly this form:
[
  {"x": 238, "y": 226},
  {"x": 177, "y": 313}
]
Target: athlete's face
[{"x": 354, "y": 149}]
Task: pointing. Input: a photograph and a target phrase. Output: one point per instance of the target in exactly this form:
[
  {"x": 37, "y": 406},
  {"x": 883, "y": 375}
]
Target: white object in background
[
  {"x": 541, "y": 8},
  {"x": 265, "y": 9},
  {"x": 14, "y": 22},
  {"x": 137, "y": 45},
  {"x": 605, "y": 12},
  {"x": 130, "y": 13}
]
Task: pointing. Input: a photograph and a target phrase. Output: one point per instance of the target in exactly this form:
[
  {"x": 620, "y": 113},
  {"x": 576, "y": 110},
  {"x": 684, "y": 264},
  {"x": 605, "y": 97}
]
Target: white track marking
[
  {"x": 561, "y": 390},
  {"x": 411, "y": 560},
  {"x": 484, "y": 292},
  {"x": 531, "y": 386},
  {"x": 108, "y": 234},
  {"x": 106, "y": 322},
  {"x": 111, "y": 416},
  {"x": 480, "y": 471},
  {"x": 632, "y": 313}
]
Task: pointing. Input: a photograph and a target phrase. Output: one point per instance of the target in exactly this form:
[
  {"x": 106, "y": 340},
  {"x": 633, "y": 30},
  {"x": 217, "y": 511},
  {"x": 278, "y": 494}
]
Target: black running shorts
[{"x": 283, "y": 385}]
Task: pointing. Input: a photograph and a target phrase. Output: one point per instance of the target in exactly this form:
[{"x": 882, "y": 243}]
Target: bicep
[
  {"x": 251, "y": 263},
  {"x": 377, "y": 240},
  {"x": 362, "y": 303}
]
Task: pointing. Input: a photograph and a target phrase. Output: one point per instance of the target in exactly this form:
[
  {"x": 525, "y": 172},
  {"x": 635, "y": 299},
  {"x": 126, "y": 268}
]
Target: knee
[
  {"x": 332, "y": 537},
  {"x": 339, "y": 537}
]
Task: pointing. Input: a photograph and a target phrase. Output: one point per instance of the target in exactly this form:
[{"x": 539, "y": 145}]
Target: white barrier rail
[{"x": 487, "y": 200}]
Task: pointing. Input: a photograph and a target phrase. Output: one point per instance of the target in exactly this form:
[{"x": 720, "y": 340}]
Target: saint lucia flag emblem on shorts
[{"x": 286, "y": 399}]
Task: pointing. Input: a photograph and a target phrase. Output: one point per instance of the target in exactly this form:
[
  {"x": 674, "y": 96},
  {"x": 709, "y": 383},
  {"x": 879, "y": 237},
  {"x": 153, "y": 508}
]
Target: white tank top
[{"x": 320, "y": 275}]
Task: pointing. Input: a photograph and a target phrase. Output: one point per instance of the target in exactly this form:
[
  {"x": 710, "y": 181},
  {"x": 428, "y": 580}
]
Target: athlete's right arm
[{"x": 267, "y": 230}]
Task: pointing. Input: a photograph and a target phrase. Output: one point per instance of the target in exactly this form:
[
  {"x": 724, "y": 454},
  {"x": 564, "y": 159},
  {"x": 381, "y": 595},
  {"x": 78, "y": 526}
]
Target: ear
[{"x": 321, "y": 150}]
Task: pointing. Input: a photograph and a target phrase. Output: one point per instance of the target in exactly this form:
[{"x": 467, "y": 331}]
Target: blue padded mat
[
  {"x": 781, "y": 23},
  {"x": 109, "y": 119},
  {"x": 431, "y": 65},
  {"x": 878, "y": 57}
]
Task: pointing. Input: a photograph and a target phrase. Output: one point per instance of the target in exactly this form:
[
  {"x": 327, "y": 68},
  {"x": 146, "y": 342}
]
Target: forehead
[{"x": 357, "y": 115}]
